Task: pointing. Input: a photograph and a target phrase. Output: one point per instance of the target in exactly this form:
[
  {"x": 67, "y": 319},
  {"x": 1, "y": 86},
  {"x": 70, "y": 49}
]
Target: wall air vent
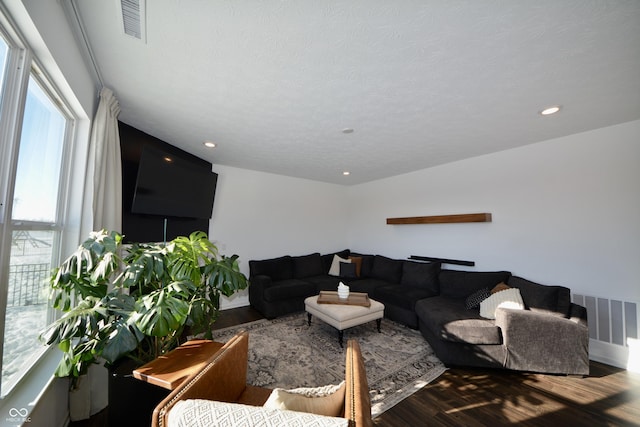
[{"x": 133, "y": 13}]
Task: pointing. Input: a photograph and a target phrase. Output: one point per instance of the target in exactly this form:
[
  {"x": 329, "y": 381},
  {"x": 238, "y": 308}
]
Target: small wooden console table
[{"x": 170, "y": 370}]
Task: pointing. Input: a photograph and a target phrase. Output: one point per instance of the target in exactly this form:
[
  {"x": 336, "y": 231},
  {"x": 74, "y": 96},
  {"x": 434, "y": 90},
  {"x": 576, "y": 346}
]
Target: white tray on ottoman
[{"x": 343, "y": 316}]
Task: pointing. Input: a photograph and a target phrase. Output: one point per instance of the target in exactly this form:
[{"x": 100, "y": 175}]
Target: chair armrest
[
  {"x": 223, "y": 378},
  {"x": 541, "y": 342},
  {"x": 357, "y": 405}
]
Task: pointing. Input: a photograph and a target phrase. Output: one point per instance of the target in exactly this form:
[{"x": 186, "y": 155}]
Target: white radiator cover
[{"x": 613, "y": 330}]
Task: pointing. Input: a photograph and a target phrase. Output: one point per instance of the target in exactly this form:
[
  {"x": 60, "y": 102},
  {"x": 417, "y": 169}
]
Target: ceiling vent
[{"x": 133, "y": 13}]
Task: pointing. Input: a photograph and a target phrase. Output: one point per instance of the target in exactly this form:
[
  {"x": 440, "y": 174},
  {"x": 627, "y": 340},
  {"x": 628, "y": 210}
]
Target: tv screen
[{"x": 171, "y": 185}]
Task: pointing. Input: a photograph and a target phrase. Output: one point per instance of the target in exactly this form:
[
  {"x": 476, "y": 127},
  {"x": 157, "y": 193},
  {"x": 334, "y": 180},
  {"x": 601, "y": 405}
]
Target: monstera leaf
[{"x": 161, "y": 312}]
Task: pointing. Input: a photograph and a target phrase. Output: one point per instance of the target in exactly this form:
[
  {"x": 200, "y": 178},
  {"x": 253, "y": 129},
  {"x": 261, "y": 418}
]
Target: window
[
  {"x": 34, "y": 126},
  {"x": 3, "y": 59}
]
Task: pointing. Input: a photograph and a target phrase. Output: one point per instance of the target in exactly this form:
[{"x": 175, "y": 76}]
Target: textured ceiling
[{"x": 422, "y": 83}]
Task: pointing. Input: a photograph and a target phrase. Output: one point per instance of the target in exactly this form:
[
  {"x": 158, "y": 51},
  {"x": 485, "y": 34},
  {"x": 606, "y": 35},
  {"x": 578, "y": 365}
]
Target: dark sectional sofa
[{"x": 550, "y": 335}]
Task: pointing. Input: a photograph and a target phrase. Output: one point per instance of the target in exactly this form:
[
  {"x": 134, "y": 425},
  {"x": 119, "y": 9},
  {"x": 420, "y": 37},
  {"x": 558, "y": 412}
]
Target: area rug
[{"x": 287, "y": 353}]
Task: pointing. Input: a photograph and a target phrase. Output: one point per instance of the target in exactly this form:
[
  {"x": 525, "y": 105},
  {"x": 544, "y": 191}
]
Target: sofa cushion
[
  {"x": 386, "y": 269},
  {"x": 287, "y": 289},
  {"x": 211, "y": 413},
  {"x": 324, "y": 282},
  {"x": 401, "y": 296},
  {"x": 448, "y": 319},
  {"x": 277, "y": 268},
  {"x": 326, "y": 400},
  {"x": 422, "y": 275},
  {"x": 461, "y": 284},
  {"x": 508, "y": 298},
  {"x": 367, "y": 285},
  {"x": 307, "y": 265},
  {"x": 554, "y": 300}
]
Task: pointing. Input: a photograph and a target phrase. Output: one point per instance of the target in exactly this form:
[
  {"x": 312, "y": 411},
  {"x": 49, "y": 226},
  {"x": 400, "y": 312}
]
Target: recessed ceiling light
[
  {"x": 209, "y": 144},
  {"x": 347, "y": 130},
  {"x": 346, "y": 173},
  {"x": 550, "y": 110}
]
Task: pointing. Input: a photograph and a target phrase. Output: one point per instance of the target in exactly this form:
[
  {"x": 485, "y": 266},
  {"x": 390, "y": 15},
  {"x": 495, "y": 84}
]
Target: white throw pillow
[
  {"x": 509, "y": 298},
  {"x": 335, "y": 265},
  {"x": 327, "y": 400}
]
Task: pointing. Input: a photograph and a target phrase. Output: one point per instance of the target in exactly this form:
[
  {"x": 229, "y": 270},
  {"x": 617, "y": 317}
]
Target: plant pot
[
  {"x": 80, "y": 400},
  {"x": 131, "y": 401}
]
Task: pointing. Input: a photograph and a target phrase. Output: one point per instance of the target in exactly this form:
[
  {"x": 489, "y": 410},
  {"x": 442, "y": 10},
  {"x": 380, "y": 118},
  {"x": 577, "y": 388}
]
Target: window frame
[{"x": 21, "y": 66}]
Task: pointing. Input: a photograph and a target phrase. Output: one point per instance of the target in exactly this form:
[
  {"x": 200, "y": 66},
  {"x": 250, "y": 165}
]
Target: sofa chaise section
[{"x": 549, "y": 335}]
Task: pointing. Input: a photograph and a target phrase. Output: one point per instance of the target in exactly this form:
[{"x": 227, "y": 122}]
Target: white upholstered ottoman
[{"x": 342, "y": 316}]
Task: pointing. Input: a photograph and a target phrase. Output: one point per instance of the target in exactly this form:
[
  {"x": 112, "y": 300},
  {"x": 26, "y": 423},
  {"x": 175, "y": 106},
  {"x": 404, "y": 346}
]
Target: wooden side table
[{"x": 168, "y": 371}]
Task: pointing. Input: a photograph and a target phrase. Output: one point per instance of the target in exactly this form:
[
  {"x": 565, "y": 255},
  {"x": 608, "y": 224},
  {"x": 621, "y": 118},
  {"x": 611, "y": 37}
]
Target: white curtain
[
  {"x": 102, "y": 209},
  {"x": 103, "y": 186}
]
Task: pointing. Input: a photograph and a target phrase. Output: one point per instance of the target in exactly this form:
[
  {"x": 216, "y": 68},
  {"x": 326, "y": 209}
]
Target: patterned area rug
[{"x": 287, "y": 353}]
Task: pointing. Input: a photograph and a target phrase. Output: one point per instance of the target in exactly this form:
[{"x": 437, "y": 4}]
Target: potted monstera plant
[{"x": 135, "y": 302}]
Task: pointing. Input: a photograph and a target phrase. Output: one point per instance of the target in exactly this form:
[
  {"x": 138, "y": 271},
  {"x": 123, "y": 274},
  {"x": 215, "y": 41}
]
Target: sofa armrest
[
  {"x": 257, "y": 285},
  {"x": 223, "y": 378},
  {"x": 261, "y": 281},
  {"x": 578, "y": 314},
  {"x": 541, "y": 342},
  {"x": 357, "y": 407}
]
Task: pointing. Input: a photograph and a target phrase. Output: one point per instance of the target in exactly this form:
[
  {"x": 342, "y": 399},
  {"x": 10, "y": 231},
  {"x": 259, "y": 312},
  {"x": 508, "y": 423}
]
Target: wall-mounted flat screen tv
[{"x": 171, "y": 185}]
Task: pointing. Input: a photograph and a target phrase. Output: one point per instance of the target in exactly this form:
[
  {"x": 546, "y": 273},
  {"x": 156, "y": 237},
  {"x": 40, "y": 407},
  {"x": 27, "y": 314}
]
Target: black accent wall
[{"x": 149, "y": 228}]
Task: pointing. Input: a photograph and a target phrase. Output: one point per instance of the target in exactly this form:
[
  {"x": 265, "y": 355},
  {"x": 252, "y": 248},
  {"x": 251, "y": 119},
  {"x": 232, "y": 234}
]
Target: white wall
[
  {"x": 565, "y": 211},
  {"x": 55, "y": 46},
  {"x": 259, "y": 215}
]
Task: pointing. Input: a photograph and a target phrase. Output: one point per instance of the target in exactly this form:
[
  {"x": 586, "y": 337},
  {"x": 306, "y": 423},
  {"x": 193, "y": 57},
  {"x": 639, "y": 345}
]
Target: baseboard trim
[
  {"x": 610, "y": 354},
  {"x": 634, "y": 355},
  {"x": 228, "y": 305},
  {"x": 238, "y": 299}
]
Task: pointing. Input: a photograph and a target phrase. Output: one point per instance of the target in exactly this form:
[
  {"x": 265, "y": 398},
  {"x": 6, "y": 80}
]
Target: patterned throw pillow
[
  {"x": 477, "y": 297},
  {"x": 210, "y": 413}
]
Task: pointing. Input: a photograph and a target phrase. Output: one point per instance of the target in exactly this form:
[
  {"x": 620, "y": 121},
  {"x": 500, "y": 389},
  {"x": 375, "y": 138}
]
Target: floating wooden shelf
[{"x": 441, "y": 219}]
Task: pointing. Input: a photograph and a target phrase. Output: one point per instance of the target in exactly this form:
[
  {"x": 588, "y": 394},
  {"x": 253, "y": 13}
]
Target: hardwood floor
[
  {"x": 484, "y": 397},
  {"x": 481, "y": 397}
]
